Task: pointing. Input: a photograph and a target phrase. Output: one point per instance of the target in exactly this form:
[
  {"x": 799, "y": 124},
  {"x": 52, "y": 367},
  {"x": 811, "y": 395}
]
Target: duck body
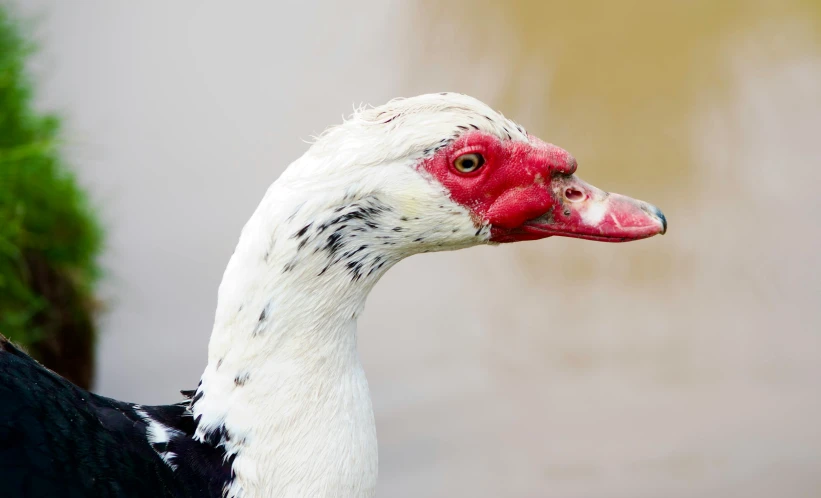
[{"x": 58, "y": 440}]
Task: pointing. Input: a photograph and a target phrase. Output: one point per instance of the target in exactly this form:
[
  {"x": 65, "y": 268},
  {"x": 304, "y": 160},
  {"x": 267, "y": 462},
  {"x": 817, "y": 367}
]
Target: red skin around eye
[{"x": 512, "y": 185}]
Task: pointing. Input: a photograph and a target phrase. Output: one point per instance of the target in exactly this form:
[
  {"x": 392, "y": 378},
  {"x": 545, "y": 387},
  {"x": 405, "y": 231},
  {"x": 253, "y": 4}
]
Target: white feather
[{"x": 159, "y": 433}]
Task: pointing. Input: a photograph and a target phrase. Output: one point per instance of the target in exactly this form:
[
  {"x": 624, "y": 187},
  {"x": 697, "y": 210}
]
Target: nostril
[{"x": 573, "y": 195}]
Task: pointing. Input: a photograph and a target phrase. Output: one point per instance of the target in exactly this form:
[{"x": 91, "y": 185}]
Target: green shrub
[{"x": 49, "y": 237}]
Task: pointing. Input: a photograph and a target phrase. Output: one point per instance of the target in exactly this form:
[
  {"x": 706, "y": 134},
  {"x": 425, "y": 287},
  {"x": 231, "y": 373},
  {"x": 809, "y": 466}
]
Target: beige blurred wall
[{"x": 686, "y": 365}]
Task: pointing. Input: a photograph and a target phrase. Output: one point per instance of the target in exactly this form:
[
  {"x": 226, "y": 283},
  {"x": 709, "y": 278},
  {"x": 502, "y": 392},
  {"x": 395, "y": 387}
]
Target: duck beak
[{"x": 583, "y": 211}]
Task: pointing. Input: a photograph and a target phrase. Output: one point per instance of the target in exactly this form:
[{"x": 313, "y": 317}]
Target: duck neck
[{"x": 284, "y": 391}]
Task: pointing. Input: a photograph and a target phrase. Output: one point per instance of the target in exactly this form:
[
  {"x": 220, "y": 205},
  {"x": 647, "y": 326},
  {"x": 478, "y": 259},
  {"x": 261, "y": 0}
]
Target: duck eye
[{"x": 468, "y": 163}]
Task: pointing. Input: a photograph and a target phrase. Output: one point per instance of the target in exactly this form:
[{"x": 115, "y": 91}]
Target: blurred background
[{"x": 680, "y": 366}]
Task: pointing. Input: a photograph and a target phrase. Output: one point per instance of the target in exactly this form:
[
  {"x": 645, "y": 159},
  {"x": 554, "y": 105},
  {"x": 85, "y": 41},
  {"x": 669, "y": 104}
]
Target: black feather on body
[{"x": 57, "y": 440}]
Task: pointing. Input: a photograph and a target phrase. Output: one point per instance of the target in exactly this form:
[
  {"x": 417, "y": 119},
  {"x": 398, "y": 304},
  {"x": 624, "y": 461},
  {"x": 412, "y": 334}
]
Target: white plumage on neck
[{"x": 284, "y": 389}]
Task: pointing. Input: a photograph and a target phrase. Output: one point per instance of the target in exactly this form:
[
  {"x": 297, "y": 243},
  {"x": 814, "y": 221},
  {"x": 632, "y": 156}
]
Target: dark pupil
[{"x": 467, "y": 163}]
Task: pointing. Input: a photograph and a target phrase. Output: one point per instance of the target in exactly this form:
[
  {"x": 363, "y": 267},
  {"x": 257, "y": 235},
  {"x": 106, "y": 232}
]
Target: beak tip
[{"x": 658, "y": 214}]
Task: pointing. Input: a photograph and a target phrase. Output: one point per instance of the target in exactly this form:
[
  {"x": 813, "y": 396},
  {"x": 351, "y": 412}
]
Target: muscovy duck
[{"x": 282, "y": 408}]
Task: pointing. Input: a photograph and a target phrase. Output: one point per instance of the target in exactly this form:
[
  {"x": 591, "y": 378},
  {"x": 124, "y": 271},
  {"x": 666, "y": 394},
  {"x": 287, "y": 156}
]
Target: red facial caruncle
[{"x": 528, "y": 191}]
